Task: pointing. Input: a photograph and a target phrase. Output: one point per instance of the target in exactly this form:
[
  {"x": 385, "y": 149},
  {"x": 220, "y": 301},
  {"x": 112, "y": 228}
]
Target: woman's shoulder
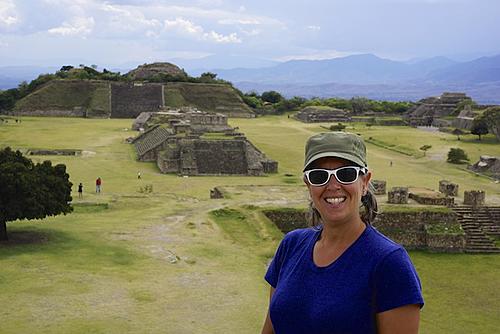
[
  {"x": 300, "y": 236},
  {"x": 379, "y": 244}
]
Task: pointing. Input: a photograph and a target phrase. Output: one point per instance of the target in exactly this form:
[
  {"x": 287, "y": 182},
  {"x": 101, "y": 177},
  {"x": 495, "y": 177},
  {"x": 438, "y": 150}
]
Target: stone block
[
  {"x": 474, "y": 197},
  {"x": 448, "y": 188},
  {"x": 398, "y": 195},
  {"x": 216, "y": 193},
  {"x": 379, "y": 187}
]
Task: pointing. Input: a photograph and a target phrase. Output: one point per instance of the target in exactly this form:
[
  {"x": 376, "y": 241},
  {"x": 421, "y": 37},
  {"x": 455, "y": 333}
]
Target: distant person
[
  {"x": 98, "y": 183},
  {"x": 80, "y": 190},
  {"x": 139, "y": 175},
  {"x": 390, "y": 163},
  {"x": 341, "y": 275}
]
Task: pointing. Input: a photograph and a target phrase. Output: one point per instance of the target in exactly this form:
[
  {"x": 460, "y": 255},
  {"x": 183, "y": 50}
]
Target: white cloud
[
  {"x": 314, "y": 28},
  {"x": 8, "y": 14},
  {"x": 243, "y": 21},
  {"x": 253, "y": 32},
  {"x": 186, "y": 27},
  {"x": 81, "y": 26}
]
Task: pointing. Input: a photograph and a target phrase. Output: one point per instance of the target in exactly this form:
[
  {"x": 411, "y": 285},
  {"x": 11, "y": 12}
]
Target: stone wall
[
  {"x": 74, "y": 112},
  {"x": 322, "y": 114},
  {"x": 431, "y": 200},
  {"x": 287, "y": 219},
  {"x": 129, "y": 100},
  {"x": 449, "y": 243},
  {"x": 219, "y": 157},
  {"x": 412, "y": 229}
]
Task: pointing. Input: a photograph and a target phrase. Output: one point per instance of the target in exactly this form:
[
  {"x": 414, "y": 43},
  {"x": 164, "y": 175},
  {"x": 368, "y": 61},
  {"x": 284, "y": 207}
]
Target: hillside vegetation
[
  {"x": 206, "y": 97},
  {"x": 173, "y": 260},
  {"x": 67, "y": 95}
]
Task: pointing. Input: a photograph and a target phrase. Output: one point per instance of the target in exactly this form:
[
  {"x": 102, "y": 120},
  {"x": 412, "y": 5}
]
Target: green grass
[
  {"x": 109, "y": 266},
  {"x": 444, "y": 229},
  {"x": 206, "y": 97},
  {"x": 64, "y": 94}
]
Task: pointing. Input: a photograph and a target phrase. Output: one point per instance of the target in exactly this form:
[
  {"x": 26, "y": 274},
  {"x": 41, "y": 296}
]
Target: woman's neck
[{"x": 340, "y": 235}]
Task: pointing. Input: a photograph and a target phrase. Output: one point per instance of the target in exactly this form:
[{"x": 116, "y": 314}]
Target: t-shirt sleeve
[
  {"x": 273, "y": 271},
  {"x": 396, "y": 282}
]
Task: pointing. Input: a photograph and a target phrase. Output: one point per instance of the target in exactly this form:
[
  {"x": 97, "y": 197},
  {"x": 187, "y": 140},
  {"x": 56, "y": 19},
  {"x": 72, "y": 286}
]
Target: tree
[
  {"x": 360, "y": 105},
  {"x": 424, "y": 148},
  {"x": 457, "y": 155},
  {"x": 458, "y": 133},
  {"x": 479, "y": 127},
  {"x": 66, "y": 68},
  {"x": 208, "y": 76},
  {"x": 492, "y": 118},
  {"x": 31, "y": 191},
  {"x": 271, "y": 96}
]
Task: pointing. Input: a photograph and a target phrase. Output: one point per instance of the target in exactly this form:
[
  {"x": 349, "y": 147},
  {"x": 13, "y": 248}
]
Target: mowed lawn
[{"x": 159, "y": 262}]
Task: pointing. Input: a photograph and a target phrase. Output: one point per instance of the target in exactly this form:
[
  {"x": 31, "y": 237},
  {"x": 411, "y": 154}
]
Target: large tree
[
  {"x": 31, "y": 191},
  {"x": 271, "y": 96},
  {"x": 492, "y": 118},
  {"x": 479, "y": 127}
]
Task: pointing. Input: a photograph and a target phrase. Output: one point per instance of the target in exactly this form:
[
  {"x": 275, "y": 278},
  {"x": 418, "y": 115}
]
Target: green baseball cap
[{"x": 338, "y": 144}]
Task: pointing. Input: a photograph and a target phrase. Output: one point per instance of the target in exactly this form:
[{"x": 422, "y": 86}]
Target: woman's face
[{"x": 336, "y": 202}]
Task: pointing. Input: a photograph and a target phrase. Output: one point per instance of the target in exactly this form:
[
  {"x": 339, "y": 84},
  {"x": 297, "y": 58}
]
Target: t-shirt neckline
[{"x": 343, "y": 255}]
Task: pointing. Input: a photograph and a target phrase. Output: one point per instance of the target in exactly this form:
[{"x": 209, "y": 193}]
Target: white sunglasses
[{"x": 346, "y": 175}]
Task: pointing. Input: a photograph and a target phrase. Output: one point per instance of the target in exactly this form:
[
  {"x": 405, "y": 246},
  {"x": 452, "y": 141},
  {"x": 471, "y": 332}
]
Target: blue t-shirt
[{"x": 373, "y": 275}]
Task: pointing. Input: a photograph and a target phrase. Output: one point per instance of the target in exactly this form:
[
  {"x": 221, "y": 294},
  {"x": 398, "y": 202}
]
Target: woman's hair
[{"x": 368, "y": 201}]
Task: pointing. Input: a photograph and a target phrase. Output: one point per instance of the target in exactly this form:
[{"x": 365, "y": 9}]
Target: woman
[{"x": 342, "y": 275}]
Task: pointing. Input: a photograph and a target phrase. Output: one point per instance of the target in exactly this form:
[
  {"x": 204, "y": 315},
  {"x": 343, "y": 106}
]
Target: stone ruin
[
  {"x": 448, "y": 188},
  {"x": 53, "y": 152},
  {"x": 189, "y": 118},
  {"x": 465, "y": 119},
  {"x": 198, "y": 143},
  {"x": 429, "y": 197},
  {"x": 322, "y": 114},
  {"x": 398, "y": 195},
  {"x": 474, "y": 198},
  {"x": 216, "y": 193},
  {"x": 130, "y": 99},
  {"x": 379, "y": 187},
  {"x": 487, "y": 165},
  {"x": 427, "y": 111}
]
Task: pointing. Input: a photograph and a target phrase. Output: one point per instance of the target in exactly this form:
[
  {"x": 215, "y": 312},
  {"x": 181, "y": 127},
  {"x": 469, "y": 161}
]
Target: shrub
[{"x": 457, "y": 156}]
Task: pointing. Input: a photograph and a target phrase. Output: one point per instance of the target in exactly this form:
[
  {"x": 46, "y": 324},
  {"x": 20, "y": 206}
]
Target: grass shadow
[{"x": 33, "y": 240}]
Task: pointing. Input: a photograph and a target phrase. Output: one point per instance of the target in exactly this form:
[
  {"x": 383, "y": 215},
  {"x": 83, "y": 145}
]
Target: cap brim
[{"x": 344, "y": 156}]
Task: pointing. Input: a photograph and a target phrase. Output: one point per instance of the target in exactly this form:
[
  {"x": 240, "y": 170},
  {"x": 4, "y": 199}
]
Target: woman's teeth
[{"x": 335, "y": 200}]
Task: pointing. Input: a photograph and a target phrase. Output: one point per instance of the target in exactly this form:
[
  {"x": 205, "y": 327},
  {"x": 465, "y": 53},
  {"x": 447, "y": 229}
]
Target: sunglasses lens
[
  {"x": 347, "y": 175},
  {"x": 318, "y": 176}
]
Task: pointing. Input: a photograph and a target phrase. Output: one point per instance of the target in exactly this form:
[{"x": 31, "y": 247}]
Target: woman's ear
[{"x": 366, "y": 181}]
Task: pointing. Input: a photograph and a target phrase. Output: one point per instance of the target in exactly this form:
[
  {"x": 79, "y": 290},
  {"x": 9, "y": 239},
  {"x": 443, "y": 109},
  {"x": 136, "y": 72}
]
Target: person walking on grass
[
  {"x": 98, "y": 183},
  {"x": 80, "y": 190},
  {"x": 341, "y": 275}
]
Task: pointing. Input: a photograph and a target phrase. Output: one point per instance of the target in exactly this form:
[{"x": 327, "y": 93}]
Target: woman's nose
[{"x": 333, "y": 183}]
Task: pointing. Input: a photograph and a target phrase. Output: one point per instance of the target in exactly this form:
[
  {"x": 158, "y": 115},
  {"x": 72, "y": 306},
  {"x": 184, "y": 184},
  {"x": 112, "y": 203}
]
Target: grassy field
[{"x": 175, "y": 261}]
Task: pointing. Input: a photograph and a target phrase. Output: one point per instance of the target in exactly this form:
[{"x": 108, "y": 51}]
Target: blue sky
[{"x": 115, "y": 33}]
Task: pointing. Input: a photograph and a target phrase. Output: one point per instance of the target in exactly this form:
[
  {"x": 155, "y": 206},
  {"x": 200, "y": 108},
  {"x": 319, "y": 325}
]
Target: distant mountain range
[
  {"x": 357, "y": 75},
  {"x": 374, "y": 77}
]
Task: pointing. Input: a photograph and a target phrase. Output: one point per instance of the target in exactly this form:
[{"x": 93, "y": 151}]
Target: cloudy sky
[{"x": 119, "y": 33}]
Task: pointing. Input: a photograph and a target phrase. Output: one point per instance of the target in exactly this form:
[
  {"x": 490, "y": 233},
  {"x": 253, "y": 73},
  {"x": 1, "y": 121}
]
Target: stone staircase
[{"x": 481, "y": 226}]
